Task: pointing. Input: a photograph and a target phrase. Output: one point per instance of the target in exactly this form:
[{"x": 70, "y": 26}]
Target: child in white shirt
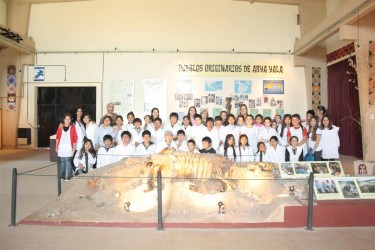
[
  {"x": 181, "y": 142},
  {"x": 125, "y": 149},
  {"x": 167, "y": 142},
  {"x": 173, "y": 126},
  {"x": 198, "y": 131},
  {"x": 106, "y": 153},
  {"x": 146, "y": 147}
]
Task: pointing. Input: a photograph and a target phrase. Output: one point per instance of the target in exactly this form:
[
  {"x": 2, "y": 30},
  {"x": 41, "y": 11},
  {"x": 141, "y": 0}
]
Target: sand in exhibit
[{"x": 193, "y": 187}]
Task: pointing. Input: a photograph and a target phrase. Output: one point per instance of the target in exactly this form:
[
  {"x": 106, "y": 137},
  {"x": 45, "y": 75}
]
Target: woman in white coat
[{"x": 329, "y": 139}]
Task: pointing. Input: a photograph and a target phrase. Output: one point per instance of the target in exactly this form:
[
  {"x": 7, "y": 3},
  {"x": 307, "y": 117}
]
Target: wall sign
[{"x": 39, "y": 74}]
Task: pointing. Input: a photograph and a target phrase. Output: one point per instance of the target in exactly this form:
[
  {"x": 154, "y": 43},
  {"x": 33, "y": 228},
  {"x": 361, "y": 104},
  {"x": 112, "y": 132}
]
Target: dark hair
[
  {"x": 158, "y": 119},
  {"x": 146, "y": 132},
  {"x": 250, "y": 116},
  {"x": 258, "y": 145},
  {"x": 210, "y": 119},
  {"x": 274, "y": 137},
  {"x": 137, "y": 120},
  {"x": 197, "y": 116},
  {"x": 191, "y": 141},
  {"x": 311, "y": 112},
  {"x": 107, "y": 137},
  {"x": 284, "y": 124},
  {"x": 173, "y": 114},
  {"x": 147, "y": 116},
  {"x": 91, "y": 151},
  {"x": 226, "y": 145},
  {"x": 67, "y": 114},
  {"x": 278, "y": 116},
  {"x": 126, "y": 133},
  {"x": 186, "y": 117},
  {"x": 181, "y": 132},
  {"x": 218, "y": 118},
  {"x": 87, "y": 114},
  {"x": 110, "y": 119},
  {"x": 267, "y": 118},
  {"x": 223, "y": 112},
  {"x": 74, "y": 118},
  {"x": 231, "y": 115},
  {"x": 192, "y": 107},
  {"x": 207, "y": 139},
  {"x": 152, "y": 110},
  {"x": 322, "y": 108},
  {"x": 329, "y": 123},
  {"x": 239, "y": 143},
  {"x": 130, "y": 113},
  {"x": 241, "y": 116},
  {"x": 312, "y": 130},
  {"x": 293, "y": 137},
  {"x": 259, "y": 115},
  {"x": 119, "y": 116}
]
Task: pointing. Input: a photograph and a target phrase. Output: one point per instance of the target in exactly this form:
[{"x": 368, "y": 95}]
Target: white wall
[
  {"x": 98, "y": 26},
  {"x": 163, "y": 25},
  {"x": 140, "y": 66},
  {"x": 3, "y": 13}
]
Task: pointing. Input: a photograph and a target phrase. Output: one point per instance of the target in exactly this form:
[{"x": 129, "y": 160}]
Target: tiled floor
[{"x": 35, "y": 192}]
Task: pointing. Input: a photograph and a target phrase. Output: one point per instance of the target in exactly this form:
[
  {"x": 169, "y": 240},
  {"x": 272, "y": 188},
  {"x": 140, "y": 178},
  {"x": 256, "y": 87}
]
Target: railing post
[
  {"x": 14, "y": 198},
  {"x": 311, "y": 201},
  {"x": 160, "y": 201},
  {"x": 58, "y": 179}
]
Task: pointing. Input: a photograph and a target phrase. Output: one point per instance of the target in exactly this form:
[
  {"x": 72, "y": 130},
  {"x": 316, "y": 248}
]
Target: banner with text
[{"x": 230, "y": 69}]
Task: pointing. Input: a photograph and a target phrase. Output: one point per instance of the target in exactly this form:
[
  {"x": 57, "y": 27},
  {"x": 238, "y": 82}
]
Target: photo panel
[
  {"x": 348, "y": 188},
  {"x": 327, "y": 189}
]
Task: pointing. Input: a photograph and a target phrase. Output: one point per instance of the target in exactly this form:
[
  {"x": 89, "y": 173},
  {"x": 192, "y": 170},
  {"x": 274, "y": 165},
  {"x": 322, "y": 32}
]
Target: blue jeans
[{"x": 65, "y": 162}]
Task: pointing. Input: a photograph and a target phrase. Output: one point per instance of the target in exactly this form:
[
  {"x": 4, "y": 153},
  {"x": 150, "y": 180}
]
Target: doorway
[{"x": 54, "y": 102}]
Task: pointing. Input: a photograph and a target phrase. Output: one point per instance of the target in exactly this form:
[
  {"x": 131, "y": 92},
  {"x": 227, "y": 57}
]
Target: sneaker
[
  {"x": 68, "y": 179},
  {"x": 62, "y": 178}
]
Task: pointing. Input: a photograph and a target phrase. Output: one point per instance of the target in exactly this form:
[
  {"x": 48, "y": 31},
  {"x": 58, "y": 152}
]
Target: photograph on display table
[
  {"x": 320, "y": 168},
  {"x": 287, "y": 168},
  {"x": 349, "y": 189},
  {"x": 366, "y": 185},
  {"x": 335, "y": 167},
  {"x": 302, "y": 168},
  {"x": 325, "y": 186}
]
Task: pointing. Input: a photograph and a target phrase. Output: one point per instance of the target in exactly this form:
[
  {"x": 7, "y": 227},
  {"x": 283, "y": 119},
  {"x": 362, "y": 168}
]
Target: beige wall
[
  {"x": 3, "y": 13},
  {"x": 10, "y": 120},
  {"x": 164, "y": 25}
]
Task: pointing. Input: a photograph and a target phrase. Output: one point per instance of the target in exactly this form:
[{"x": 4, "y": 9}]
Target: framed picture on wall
[{"x": 273, "y": 87}]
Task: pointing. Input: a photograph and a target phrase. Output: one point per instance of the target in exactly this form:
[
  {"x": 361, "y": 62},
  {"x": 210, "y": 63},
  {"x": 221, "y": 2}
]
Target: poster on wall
[
  {"x": 183, "y": 86},
  {"x": 11, "y": 88},
  {"x": 39, "y": 74},
  {"x": 154, "y": 94},
  {"x": 371, "y": 72},
  {"x": 273, "y": 87},
  {"x": 315, "y": 87},
  {"x": 212, "y": 86},
  {"x": 121, "y": 94},
  {"x": 242, "y": 86}
]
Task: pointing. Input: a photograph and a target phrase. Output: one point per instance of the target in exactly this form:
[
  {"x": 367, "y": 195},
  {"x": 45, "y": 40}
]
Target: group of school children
[{"x": 243, "y": 138}]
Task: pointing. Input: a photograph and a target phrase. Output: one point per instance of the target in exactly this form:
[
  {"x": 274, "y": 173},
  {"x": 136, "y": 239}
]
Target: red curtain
[{"x": 343, "y": 106}]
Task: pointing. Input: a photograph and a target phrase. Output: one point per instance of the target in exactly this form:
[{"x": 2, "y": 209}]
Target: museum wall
[
  {"x": 3, "y": 13},
  {"x": 165, "y": 26}
]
